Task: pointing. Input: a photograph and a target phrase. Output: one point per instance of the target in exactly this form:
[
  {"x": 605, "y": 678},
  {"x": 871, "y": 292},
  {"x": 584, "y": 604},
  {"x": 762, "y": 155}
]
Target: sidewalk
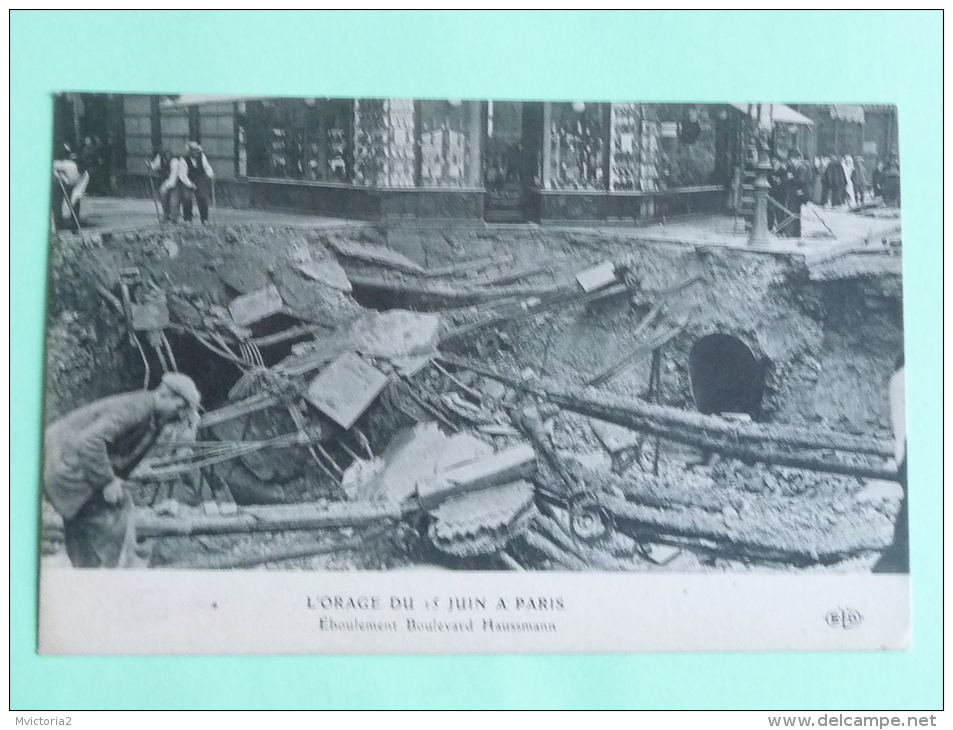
[{"x": 101, "y": 215}]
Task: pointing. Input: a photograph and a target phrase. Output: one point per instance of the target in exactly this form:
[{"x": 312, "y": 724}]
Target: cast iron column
[{"x": 759, "y": 228}]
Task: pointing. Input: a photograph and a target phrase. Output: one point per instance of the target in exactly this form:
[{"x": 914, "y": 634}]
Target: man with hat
[
  {"x": 200, "y": 176},
  {"x": 89, "y": 452},
  {"x": 798, "y": 192}
]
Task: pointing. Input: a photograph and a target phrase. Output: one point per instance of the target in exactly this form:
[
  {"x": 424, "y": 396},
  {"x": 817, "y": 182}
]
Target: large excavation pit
[{"x": 551, "y": 398}]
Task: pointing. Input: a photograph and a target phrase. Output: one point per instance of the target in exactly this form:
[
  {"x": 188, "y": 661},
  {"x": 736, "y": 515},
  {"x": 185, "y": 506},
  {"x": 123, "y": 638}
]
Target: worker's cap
[
  {"x": 794, "y": 152},
  {"x": 183, "y": 385},
  {"x": 194, "y": 147}
]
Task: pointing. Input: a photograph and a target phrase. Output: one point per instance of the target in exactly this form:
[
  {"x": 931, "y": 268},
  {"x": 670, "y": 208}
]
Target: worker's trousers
[
  {"x": 102, "y": 535},
  {"x": 202, "y": 193}
]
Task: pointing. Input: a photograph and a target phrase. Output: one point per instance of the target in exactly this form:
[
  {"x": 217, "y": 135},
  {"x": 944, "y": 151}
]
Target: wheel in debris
[{"x": 589, "y": 520}]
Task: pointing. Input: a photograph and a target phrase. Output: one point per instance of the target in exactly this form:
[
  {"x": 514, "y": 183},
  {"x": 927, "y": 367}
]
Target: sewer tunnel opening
[{"x": 725, "y": 376}]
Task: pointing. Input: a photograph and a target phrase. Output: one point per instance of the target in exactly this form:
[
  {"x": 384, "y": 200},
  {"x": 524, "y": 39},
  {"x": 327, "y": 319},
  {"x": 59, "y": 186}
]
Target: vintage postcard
[{"x": 439, "y": 375}]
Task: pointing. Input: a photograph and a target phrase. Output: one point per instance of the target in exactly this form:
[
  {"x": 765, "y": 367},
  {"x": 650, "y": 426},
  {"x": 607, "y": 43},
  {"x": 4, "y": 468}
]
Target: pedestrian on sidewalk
[
  {"x": 859, "y": 179},
  {"x": 88, "y": 454},
  {"x": 877, "y": 179},
  {"x": 836, "y": 182},
  {"x": 847, "y": 163},
  {"x": 825, "y": 181},
  {"x": 200, "y": 176},
  {"x": 797, "y": 192}
]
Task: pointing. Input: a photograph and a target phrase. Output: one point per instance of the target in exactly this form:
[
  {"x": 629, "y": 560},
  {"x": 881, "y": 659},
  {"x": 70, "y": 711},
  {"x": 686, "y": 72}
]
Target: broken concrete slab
[
  {"x": 256, "y": 306},
  {"x": 375, "y": 255},
  {"x": 396, "y": 335},
  {"x": 597, "y": 277},
  {"x": 413, "y": 455},
  {"x": 346, "y": 388},
  {"x": 614, "y": 438},
  {"x": 517, "y": 462},
  {"x": 328, "y": 272},
  {"x": 150, "y": 316}
]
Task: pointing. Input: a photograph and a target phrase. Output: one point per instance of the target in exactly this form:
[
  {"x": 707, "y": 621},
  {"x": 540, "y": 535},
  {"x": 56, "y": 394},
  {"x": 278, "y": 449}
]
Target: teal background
[{"x": 795, "y": 56}]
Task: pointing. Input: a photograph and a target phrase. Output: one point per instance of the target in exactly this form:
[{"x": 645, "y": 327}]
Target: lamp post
[{"x": 759, "y": 225}]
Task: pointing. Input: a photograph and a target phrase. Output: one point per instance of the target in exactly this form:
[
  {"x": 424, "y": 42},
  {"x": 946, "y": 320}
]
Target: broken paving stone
[
  {"x": 327, "y": 271},
  {"x": 517, "y": 462},
  {"x": 415, "y": 454},
  {"x": 346, "y": 388},
  {"x": 256, "y": 306},
  {"x": 614, "y": 438},
  {"x": 596, "y": 277},
  {"x": 376, "y": 255},
  {"x": 396, "y": 335}
]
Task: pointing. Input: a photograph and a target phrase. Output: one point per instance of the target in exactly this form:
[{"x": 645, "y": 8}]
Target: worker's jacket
[{"x": 89, "y": 447}]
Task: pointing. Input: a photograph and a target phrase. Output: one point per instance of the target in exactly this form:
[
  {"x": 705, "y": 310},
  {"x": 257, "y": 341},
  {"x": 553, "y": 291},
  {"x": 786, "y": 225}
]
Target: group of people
[
  {"x": 184, "y": 177},
  {"x": 829, "y": 182},
  {"x": 843, "y": 181},
  {"x": 790, "y": 182}
]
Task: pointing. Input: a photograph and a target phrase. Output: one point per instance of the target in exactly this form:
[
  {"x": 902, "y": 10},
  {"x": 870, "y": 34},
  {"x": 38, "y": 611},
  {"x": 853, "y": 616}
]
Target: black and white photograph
[{"x": 440, "y": 374}]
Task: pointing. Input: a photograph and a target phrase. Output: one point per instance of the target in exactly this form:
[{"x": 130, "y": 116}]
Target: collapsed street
[{"x": 494, "y": 397}]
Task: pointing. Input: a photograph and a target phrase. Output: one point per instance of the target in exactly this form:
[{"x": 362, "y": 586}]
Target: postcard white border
[{"x": 269, "y": 612}]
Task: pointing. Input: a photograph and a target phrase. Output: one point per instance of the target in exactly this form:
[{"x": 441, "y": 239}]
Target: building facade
[{"x": 504, "y": 161}]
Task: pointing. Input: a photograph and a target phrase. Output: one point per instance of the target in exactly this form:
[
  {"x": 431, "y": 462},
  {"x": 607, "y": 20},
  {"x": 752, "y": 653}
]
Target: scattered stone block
[
  {"x": 327, "y": 271},
  {"x": 597, "y": 277},
  {"x": 256, "y": 306},
  {"x": 346, "y": 388}
]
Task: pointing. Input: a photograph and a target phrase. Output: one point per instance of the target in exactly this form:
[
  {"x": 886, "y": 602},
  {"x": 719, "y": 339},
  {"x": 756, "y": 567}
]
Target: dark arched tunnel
[{"x": 726, "y": 377}]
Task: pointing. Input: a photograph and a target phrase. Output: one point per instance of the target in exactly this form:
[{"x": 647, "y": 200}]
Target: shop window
[
  {"x": 686, "y": 145},
  {"x": 577, "y": 138},
  {"x": 633, "y": 161},
  {"x": 443, "y": 143},
  {"x": 384, "y": 142},
  {"x": 297, "y": 139}
]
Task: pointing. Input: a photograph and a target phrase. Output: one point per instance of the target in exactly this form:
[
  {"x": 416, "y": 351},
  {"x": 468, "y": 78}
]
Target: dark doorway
[
  {"x": 505, "y": 166},
  {"x": 726, "y": 377}
]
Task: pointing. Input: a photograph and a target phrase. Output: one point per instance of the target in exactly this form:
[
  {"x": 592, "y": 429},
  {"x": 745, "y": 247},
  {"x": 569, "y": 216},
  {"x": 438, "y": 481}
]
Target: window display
[
  {"x": 577, "y": 142},
  {"x": 443, "y": 143}
]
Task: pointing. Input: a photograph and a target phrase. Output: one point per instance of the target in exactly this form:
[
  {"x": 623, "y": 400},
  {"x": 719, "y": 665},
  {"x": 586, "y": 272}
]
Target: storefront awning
[
  {"x": 778, "y": 113},
  {"x": 848, "y": 112},
  {"x": 184, "y": 100}
]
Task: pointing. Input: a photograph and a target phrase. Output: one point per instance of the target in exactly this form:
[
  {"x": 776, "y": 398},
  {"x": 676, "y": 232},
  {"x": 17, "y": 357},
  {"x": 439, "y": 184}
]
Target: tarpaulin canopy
[
  {"x": 778, "y": 113},
  {"x": 194, "y": 99}
]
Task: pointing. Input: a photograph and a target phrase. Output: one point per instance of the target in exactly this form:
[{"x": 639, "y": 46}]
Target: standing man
[
  {"x": 70, "y": 180},
  {"x": 89, "y": 452},
  {"x": 167, "y": 168},
  {"x": 776, "y": 180},
  {"x": 200, "y": 175},
  {"x": 798, "y": 191}
]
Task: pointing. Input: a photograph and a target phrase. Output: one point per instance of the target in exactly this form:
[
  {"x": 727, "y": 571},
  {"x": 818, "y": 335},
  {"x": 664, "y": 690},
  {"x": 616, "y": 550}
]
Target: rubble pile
[{"x": 444, "y": 428}]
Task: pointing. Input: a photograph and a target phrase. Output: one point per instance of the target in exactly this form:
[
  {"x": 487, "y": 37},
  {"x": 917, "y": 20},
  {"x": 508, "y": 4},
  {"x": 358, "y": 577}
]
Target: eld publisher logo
[{"x": 843, "y": 618}]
